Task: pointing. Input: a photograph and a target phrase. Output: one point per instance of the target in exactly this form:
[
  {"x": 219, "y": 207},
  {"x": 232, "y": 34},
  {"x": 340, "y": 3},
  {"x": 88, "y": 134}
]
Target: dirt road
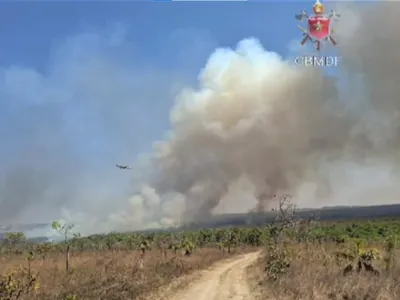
[{"x": 227, "y": 280}]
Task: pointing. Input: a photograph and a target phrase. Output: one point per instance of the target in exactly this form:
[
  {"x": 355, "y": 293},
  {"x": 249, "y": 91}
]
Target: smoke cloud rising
[{"x": 255, "y": 125}]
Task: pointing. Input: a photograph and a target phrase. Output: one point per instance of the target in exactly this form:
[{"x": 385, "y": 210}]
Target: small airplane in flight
[{"x": 123, "y": 167}]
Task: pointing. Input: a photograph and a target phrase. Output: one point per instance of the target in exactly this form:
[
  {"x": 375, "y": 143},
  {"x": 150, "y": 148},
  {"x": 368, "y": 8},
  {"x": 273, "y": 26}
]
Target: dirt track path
[{"x": 227, "y": 280}]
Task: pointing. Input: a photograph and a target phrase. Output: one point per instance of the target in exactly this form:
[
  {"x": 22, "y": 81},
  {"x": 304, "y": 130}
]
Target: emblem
[{"x": 319, "y": 27}]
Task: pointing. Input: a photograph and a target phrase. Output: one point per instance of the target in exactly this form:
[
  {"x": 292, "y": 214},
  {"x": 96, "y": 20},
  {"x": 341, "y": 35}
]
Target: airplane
[{"x": 123, "y": 167}]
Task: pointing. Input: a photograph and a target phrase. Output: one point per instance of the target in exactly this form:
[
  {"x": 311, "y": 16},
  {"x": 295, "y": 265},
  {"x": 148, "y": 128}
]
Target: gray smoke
[
  {"x": 257, "y": 125},
  {"x": 254, "y": 126}
]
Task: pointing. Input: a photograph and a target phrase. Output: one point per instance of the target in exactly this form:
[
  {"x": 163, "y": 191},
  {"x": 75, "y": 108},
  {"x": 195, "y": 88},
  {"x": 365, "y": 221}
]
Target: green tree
[
  {"x": 231, "y": 238},
  {"x": 13, "y": 239},
  {"x": 65, "y": 231},
  {"x": 187, "y": 246},
  {"x": 254, "y": 237}
]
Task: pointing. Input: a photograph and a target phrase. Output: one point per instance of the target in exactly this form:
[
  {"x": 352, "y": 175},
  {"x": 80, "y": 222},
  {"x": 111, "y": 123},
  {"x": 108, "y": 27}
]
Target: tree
[
  {"x": 278, "y": 256},
  {"x": 111, "y": 240},
  {"x": 78, "y": 241},
  {"x": 145, "y": 245},
  {"x": 231, "y": 238},
  {"x": 14, "y": 238},
  {"x": 65, "y": 231},
  {"x": 187, "y": 246},
  {"x": 205, "y": 236},
  {"x": 254, "y": 237}
]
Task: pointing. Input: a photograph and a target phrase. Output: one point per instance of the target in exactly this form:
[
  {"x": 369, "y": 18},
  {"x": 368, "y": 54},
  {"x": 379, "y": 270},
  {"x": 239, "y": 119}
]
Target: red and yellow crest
[{"x": 319, "y": 27}]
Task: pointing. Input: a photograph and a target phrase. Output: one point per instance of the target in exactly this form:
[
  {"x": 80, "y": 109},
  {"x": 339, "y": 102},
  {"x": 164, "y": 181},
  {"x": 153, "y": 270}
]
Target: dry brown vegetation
[
  {"x": 109, "y": 274},
  {"x": 112, "y": 266},
  {"x": 303, "y": 259},
  {"x": 360, "y": 262},
  {"x": 316, "y": 272}
]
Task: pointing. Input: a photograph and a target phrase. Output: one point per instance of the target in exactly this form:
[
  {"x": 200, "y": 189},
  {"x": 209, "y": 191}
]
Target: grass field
[
  {"x": 316, "y": 273},
  {"x": 107, "y": 274},
  {"x": 302, "y": 259}
]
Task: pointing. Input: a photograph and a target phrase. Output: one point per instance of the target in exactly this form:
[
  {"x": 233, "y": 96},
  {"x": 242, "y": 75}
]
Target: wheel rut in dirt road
[{"x": 227, "y": 280}]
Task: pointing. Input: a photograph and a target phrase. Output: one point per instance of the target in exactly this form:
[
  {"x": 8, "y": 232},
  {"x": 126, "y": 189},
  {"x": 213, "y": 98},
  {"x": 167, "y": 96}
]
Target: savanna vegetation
[
  {"x": 114, "y": 265},
  {"x": 302, "y": 259},
  {"x": 345, "y": 260}
]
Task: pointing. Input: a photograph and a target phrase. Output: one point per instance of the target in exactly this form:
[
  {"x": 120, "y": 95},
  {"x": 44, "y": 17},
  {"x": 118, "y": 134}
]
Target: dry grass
[
  {"x": 314, "y": 273},
  {"x": 112, "y": 275}
]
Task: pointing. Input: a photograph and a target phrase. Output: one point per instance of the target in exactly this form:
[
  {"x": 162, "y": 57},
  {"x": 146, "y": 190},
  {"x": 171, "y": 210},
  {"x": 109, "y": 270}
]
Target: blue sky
[
  {"x": 29, "y": 31},
  {"x": 169, "y": 37},
  {"x": 85, "y": 85}
]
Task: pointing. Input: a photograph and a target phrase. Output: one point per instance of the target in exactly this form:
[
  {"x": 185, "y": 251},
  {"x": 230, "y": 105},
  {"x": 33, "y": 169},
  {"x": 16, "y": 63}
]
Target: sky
[
  {"x": 199, "y": 99},
  {"x": 155, "y": 29},
  {"x": 202, "y": 100},
  {"x": 170, "y": 37},
  {"x": 85, "y": 85}
]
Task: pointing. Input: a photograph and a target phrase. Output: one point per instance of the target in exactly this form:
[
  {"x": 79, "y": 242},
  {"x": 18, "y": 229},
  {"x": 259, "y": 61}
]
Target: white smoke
[{"x": 257, "y": 125}]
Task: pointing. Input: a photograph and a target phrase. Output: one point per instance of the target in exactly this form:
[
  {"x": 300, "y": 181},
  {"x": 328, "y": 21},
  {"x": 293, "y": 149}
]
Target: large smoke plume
[{"x": 257, "y": 125}]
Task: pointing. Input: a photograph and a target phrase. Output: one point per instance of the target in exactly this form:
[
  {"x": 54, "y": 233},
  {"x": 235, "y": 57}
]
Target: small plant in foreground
[
  {"x": 360, "y": 259},
  {"x": 278, "y": 261},
  {"x": 390, "y": 247},
  {"x": 278, "y": 257},
  {"x": 17, "y": 283},
  {"x": 145, "y": 245},
  {"x": 187, "y": 247}
]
